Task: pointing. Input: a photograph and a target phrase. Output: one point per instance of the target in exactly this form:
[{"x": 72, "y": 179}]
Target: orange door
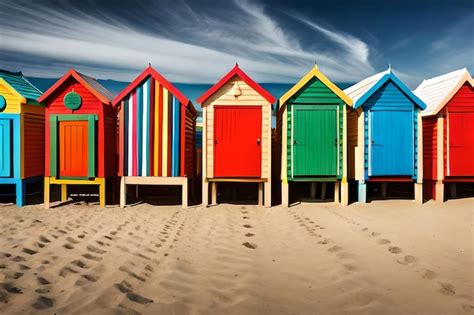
[{"x": 73, "y": 149}]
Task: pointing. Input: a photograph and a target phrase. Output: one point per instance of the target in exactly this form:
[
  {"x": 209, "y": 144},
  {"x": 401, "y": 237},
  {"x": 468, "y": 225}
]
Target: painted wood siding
[
  {"x": 430, "y": 140},
  {"x": 13, "y": 100},
  {"x": 352, "y": 142},
  {"x": 33, "y": 141},
  {"x": 249, "y": 97},
  {"x": 110, "y": 132}
]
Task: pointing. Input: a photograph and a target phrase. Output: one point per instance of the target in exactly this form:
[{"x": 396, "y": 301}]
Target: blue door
[
  {"x": 5, "y": 148},
  {"x": 391, "y": 143}
]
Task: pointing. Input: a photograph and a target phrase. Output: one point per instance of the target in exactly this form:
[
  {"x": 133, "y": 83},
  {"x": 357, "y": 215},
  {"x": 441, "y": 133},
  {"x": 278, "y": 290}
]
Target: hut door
[
  {"x": 461, "y": 144},
  {"x": 73, "y": 149},
  {"x": 314, "y": 141},
  {"x": 391, "y": 143},
  {"x": 5, "y": 148},
  {"x": 237, "y": 141}
]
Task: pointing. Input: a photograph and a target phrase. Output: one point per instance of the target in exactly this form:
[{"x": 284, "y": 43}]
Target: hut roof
[
  {"x": 315, "y": 73},
  {"x": 21, "y": 85},
  {"x": 89, "y": 83},
  {"x": 236, "y": 71},
  {"x": 363, "y": 90},
  {"x": 436, "y": 92}
]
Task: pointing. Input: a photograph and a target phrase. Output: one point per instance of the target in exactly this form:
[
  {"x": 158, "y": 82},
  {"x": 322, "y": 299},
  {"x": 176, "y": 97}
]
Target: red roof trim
[
  {"x": 157, "y": 76},
  {"x": 75, "y": 75},
  {"x": 236, "y": 71}
]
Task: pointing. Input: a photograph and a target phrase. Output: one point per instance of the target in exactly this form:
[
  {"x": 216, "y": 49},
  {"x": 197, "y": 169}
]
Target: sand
[{"x": 386, "y": 257}]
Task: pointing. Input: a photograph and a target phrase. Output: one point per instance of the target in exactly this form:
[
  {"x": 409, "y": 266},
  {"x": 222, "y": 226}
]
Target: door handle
[
  {"x": 215, "y": 141},
  {"x": 258, "y": 141},
  {"x": 372, "y": 142},
  {"x": 295, "y": 142}
]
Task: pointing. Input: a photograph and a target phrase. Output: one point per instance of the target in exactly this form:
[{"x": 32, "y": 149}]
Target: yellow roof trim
[
  {"x": 314, "y": 72},
  {"x": 21, "y": 97}
]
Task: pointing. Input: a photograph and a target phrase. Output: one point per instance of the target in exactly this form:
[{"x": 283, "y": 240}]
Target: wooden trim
[
  {"x": 53, "y": 145},
  {"x": 239, "y": 180},
  {"x": 121, "y": 144},
  {"x": 91, "y": 144},
  {"x": 152, "y": 180}
]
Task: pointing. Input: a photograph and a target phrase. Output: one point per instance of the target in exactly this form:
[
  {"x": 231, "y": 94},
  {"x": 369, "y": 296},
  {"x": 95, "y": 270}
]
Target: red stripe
[
  {"x": 183, "y": 139},
  {"x": 160, "y": 126},
  {"x": 170, "y": 131},
  {"x": 152, "y": 130}
]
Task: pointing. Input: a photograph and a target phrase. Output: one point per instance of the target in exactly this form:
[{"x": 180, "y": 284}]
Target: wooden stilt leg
[
  {"x": 20, "y": 193},
  {"x": 214, "y": 193},
  {"x": 46, "y": 192},
  {"x": 384, "y": 190},
  {"x": 324, "y": 185},
  {"x": 453, "y": 190},
  {"x": 419, "y": 193},
  {"x": 313, "y": 190},
  {"x": 123, "y": 192},
  {"x": 102, "y": 193},
  {"x": 285, "y": 194},
  {"x": 205, "y": 193},
  {"x": 344, "y": 193},
  {"x": 185, "y": 193},
  {"x": 439, "y": 197},
  {"x": 336, "y": 191},
  {"x": 260, "y": 194},
  {"x": 268, "y": 194},
  {"x": 63, "y": 192}
]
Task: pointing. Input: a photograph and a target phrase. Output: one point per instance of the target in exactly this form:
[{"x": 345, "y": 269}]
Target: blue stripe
[
  {"x": 147, "y": 158},
  {"x": 125, "y": 137},
  {"x": 175, "y": 143}
]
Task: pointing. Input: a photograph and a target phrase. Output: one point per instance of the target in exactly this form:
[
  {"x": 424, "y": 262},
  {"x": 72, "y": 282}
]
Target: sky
[{"x": 274, "y": 41}]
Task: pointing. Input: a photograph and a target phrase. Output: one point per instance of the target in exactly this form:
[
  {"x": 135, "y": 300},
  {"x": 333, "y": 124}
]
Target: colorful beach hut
[
  {"x": 21, "y": 133},
  {"x": 236, "y": 135},
  {"x": 156, "y": 134},
  {"x": 80, "y": 135},
  {"x": 385, "y": 134},
  {"x": 311, "y": 123},
  {"x": 448, "y": 132}
]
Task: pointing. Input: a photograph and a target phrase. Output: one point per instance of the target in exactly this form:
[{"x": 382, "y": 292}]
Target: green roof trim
[{"x": 21, "y": 85}]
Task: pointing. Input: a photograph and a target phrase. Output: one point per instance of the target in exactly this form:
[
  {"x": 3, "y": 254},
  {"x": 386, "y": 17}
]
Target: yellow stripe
[
  {"x": 156, "y": 131},
  {"x": 164, "y": 144}
]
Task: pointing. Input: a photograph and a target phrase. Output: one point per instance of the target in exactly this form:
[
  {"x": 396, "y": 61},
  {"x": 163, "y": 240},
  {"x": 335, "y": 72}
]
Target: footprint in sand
[
  {"x": 349, "y": 267},
  {"x": 80, "y": 264},
  {"x": 383, "y": 241},
  {"x": 71, "y": 240},
  {"x": 249, "y": 234},
  {"x": 90, "y": 278},
  {"x": 429, "y": 274},
  {"x": 96, "y": 250},
  {"x": 68, "y": 246},
  {"x": 408, "y": 260},
  {"x": 10, "y": 288},
  {"x": 334, "y": 249},
  {"x": 42, "y": 281},
  {"x": 65, "y": 271},
  {"x": 249, "y": 245},
  {"x": 123, "y": 287},
  {"x": 3, "y": 297},
  {"x": 323, "y": 242},
  {"x": 374, "y": 234},
  {"x": 138, "y": 298},
  {"x": 446, "y": 288},
  {"x": 44, "y": 239},
  {"x": 247, "y": 226},
  {"x": 465, "y": 307},
  {"x": 43, "y": 303},
  {"x": 395, "y": 250}
]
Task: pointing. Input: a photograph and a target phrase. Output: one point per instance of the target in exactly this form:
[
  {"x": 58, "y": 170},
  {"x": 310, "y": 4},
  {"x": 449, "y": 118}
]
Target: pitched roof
[
  {"x": 149, "y": 71},
  {"x": 21, "y": 85},
  {"x": 236, "y": 71},
  {"x": 89, "y": 83},
  {"x": 436, "y": 92},
  {"x": 363, "y": 90},
  {"x": 315, "y": 73}
]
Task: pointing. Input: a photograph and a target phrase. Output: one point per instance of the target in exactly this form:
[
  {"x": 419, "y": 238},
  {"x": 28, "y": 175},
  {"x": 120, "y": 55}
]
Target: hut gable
[
  {"x": 16, "y": 90},
  {"x": 314, "y": 82},
  {"x": 438, "y": 91}
]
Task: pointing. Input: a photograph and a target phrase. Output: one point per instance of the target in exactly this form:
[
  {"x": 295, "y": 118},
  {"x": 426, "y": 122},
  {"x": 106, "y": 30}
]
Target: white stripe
[
  {"x": 146, "y": 95},
  {"x": 130, "y": 135}
]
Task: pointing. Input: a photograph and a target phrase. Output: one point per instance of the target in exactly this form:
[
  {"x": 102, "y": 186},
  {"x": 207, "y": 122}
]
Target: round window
[
  {"x": 72, "y": 100},
  {"x": 3, "y": 103}
]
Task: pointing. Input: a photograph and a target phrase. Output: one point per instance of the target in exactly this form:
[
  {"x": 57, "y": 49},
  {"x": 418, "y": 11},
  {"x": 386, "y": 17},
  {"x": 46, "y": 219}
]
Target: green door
[{"x": 314, "y": 140}]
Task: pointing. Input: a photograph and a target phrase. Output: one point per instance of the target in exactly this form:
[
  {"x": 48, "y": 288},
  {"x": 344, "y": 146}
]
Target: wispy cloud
[{"x": 185, "y": 42}]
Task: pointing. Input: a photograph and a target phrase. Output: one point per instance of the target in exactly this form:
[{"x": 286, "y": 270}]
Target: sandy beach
[{"x": 386, "y": 257}]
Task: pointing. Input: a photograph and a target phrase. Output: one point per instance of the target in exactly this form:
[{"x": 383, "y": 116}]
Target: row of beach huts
[{"x": 376, "y": 131}]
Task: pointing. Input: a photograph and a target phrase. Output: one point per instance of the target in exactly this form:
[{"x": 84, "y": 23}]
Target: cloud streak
[{"x": 185, "y": 42}]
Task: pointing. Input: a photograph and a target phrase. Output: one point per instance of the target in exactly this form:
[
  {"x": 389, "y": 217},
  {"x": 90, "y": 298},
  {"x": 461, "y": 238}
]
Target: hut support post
[
  {"x": 344, "y": 193},
  {"x": 384, "y": 190},
  {"x": 362, "y": 192},
  {"x": 285, "y": 194},
  {"x": 418, "y": 193},
  {"x": 123, "y": 192},
  {"x": 102, "y": 192},
  {"x": 268, "y": 194},
  {"x": 260, "y": 194},
  {"x": 185, "y": 193},
  {"x": 312, "y": 192},
  {"x": 452, "y": 190},
  {"x": 213, "y": 193},
  {"x": 324, "y": 185},
  {"x": 63, "y": 192},
  {"x": 20, "y": 193},
  {"x": 46, "y": 192},
  {"x": 336, "y": 191},
  {"x": 439, "y": 193},
  {"x": 205, "y": 192}
]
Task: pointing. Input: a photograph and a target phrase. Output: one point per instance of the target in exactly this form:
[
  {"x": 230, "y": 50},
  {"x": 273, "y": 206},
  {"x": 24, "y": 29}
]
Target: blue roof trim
[{"x": 390, "y": 77}]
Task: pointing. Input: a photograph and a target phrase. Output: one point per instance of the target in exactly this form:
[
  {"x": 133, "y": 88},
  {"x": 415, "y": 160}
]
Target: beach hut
[
  {"x": 384, "y": 134},
  {"x": 236, "y": 135},
  {"x": 80, "y": 135},
  {"x": 448, "y": 132},
  {"x": 156, "y": 134},
  {"x": 311, "y": 123},
  {"x": 21, "y": 133}
]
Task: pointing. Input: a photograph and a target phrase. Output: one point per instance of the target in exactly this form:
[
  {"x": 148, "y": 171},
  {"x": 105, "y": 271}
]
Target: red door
[
  {"x": 237, "y": 141},
  {"x": 73, "y": 149},
  {"x": 461, "y": 144}
]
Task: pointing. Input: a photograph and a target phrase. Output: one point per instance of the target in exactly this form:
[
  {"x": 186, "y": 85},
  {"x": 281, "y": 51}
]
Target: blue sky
[{"x": 274, "y": 41}]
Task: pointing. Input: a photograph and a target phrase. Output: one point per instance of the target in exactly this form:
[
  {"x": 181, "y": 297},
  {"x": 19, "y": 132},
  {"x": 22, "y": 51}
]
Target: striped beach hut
[
  {"x": 236, "y": 135},
  {"x": 80, "y": 135},
  {"x": 21, "y": 134},
  {"x": 384, "y": 134},
  {"x": 311, "y": 123},
  {"x": 448, "y": 132},
  {"x": 156, "y": 134}
]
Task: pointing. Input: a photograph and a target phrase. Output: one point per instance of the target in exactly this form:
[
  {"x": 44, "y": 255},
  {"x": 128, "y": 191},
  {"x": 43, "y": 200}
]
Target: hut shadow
[
  {"x": 394, "y": 191},
  {"x": 34, "y": 194},
  {"x": 455, "y": 191},
  {"x": 301, "y": 192},
  {"x": 157, "y": 196}
]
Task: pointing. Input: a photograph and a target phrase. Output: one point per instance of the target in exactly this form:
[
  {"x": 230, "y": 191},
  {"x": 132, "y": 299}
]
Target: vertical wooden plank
[
  {"x": 152, "y": 127},
  {"x": 16, "y": 147},
  {"x": 170, "y": 133},
  {"x": 53, "y": 138},
  {"x": 139, "y": 121},
  {"x": 182, "y": 155},
  {"x": 129, "y": 143},
  {"x": 121, "y": 139},
  {"x": 260, "y": 194},
  {"x": 63, "y": 192},
  {"x": 164, "y": 146},
  {"x": 145, "y": 132},
  {"x": 176, "y": 138},
  {"x": 160, "y": 130},
  {"x": 22, "y": 145},
  {"x": 46, "y": 192},
  {"x": 102, "y": 192},
  {"x": 134, "y": 127},
  {"x": 123, "y": 192},
  {"x": 91, "y": 145},
  {"x": 185, "y": 193}
]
